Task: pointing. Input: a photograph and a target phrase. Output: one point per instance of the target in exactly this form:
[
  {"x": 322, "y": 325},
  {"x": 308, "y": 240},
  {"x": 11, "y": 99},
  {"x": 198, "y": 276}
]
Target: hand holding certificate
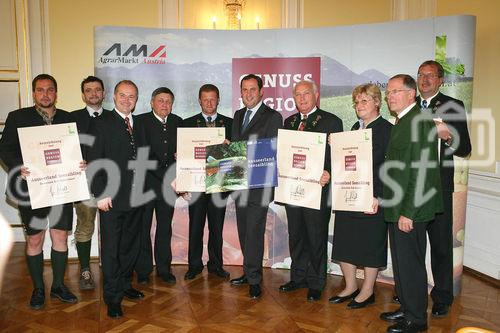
[{"x": 52, "y": 155}]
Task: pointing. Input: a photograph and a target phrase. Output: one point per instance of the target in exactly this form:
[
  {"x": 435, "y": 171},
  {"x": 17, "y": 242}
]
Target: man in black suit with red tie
[
  {"x": 92, "y": 94},
  {"x": 255, "y": 121},
  {"x": 114, "y": 186},
  {"x": 454, "y": 140},
  {"x": 307, "y": 227},
  {"x": 157, "y": 130},
  {"x": 201, "y": 205}
]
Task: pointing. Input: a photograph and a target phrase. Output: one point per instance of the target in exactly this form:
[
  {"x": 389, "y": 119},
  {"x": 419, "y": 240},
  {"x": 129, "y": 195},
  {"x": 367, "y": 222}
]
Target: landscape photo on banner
[{"x": 337, "y": 58}]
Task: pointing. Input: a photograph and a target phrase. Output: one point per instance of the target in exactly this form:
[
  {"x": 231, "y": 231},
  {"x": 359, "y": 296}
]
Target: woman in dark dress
[{"x": 360, "y": 239}]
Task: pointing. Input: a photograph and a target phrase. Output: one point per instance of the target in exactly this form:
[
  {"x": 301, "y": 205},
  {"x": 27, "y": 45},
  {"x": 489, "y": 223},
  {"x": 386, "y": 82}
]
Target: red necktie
[
  {"x": 129, "y": 128},
  {"x": 302, "y": 123}
]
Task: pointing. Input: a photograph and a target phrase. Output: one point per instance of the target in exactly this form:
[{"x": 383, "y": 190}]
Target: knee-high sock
[
  {"x": 83, "y": 249},
  {"x": 35, "y": 267},
  {"x": 59, "y": 260}
]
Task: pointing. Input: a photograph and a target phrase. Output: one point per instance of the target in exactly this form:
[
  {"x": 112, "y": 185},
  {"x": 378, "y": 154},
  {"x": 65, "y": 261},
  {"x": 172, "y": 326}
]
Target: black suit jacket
[
  {"x": 113, "y": 143},
  {"x": 10, "y": 149},
  {"x": 162, "y": 143},
  {"x": 83, "y": 120},
  {"x": 199, "y": 121},
  {"x": 452, "y": 112},
  {"x": 264, "y": 124}
]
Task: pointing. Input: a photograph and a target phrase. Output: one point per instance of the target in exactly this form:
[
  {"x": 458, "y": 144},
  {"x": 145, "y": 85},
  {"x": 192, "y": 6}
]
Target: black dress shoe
[
  {"x": 37, "y": 299},
  {"x": 292, "y": 285},
  {"x": 168, "y": 277},
  {"x": 239, "y": 281},
  {"x": 313, "y": 294},
  {"x": 62, "y": 292},
  {"x": 220, "y": 272},
  {"x": 355, "y": 305},
  {"x": 254, "y": 291},
  {"x": 132, "y": 293},
  {"x": 406, "y": 326},
  {"x": 115, "y": 311},
  {"x": 339, "y": 299},
  {"x": 395, "y": 299},
  {"x": 191, "y": 273},
  {"x": 440, "y": 310},
  {"x": 397, "y": 315}
]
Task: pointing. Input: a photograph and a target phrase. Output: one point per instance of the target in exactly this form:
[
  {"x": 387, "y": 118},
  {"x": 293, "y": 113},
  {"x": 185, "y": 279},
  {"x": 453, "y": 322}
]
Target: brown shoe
[{"x": 86, "y": 280}]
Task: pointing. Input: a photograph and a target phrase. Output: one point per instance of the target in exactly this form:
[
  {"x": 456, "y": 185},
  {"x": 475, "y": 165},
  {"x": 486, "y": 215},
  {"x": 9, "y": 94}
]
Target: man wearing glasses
[
  {"x": 453, "y": 140},
  {"x": 412, "y": 198}
]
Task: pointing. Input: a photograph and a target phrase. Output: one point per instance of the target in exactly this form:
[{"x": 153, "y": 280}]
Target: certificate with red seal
[{"x": 52, "y": 155}]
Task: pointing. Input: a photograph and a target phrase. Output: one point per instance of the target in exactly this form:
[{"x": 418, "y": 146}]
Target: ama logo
[{"x": 134, "y": 54}]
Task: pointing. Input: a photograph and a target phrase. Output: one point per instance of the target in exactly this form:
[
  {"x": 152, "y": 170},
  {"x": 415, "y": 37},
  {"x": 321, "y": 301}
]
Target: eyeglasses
[
  {"x": 362, "y": 102},
  {"x": 395, "y": 91},
  {"x": 427, "y": 75}
]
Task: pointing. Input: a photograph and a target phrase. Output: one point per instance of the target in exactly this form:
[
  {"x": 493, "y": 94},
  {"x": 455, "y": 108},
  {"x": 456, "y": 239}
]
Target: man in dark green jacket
[{"x": 412, "y": 198}]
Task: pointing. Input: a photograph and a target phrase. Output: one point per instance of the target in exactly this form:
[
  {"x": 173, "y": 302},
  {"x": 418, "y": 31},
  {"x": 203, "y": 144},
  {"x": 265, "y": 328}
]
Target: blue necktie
[
  {"x": 246, "y": 120},
  {"x": 424, "y": 103}
]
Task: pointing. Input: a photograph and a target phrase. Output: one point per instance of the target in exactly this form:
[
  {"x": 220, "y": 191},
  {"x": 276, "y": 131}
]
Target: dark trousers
[
  {"x": 410, "y": 274},
  {"x": 211, "y": 207},
  {"x": 163, "y": 239},
  {"x": 307, "y": 240},
  {"x": 251, "y": 216},
  {"x": 119, "y": 250},
  {"x": 440, "y": 233}
]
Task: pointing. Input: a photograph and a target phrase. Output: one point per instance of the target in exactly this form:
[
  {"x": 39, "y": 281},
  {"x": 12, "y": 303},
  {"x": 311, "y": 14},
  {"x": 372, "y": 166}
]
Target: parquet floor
[{"x": 211, "y": 304}]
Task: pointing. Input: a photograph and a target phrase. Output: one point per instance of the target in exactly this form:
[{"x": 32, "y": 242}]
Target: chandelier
[{"x": 233, "y": 13}]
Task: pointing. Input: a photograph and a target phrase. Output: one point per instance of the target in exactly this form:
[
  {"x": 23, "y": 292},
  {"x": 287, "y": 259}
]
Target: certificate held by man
[
  {"x": 301, "y": 158},
  {"x": 352, "y": 171},
  {"x": 52, "y": 154},
  {"x": 191, "y": 154}
]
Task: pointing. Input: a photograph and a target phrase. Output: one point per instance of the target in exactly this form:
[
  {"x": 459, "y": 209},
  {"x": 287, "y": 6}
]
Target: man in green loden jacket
[{"x": 412, "y": 198}]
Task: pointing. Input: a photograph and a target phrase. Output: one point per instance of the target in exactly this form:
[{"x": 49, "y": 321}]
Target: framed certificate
[
  {"x": 352, "y": 170},
  {"x": 301, "y": 158},
  {"x": 52, "y": 154},
  {"x": 191, "y": 154}
]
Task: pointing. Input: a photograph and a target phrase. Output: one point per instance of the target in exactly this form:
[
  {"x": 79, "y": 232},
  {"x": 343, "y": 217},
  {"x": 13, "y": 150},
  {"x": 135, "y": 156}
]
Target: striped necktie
[
  {"x": 129, "y": 127},
  {"x": 246, "y": 121}
]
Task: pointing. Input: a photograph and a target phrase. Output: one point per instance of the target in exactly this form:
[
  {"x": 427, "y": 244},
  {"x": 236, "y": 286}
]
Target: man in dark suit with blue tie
[
  {"x": 204, "y": 206},
  {"x": 114, "y": 186},
  {"x": 93, "y": 95},
  {"x": 308, "y": 228},
  {"x": 255, "y": 121},
  {"x": 157, "y": 130}
]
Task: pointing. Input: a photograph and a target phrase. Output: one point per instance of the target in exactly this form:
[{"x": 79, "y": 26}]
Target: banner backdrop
[{"x": 337, "y": 58}]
